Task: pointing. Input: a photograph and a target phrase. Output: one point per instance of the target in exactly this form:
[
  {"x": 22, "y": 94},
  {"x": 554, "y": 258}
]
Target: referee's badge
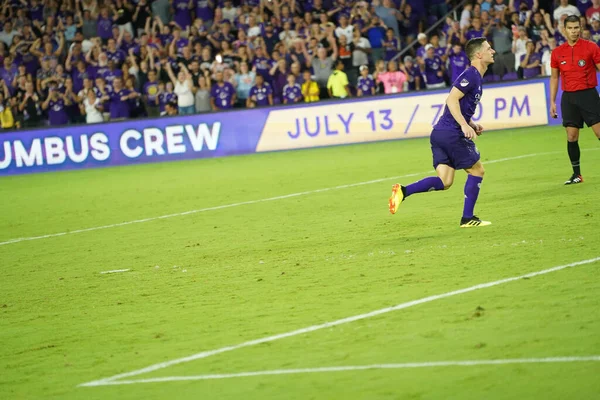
[{"x": 581, "y": 63}]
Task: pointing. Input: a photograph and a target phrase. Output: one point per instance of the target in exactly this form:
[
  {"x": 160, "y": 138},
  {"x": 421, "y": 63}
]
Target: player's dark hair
[
  {"x": 572, "y": 18},
  {"x": 473, "y": 46}
]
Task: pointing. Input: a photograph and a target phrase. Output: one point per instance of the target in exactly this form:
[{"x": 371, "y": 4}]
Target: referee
[{"x": 576, "y": 62}]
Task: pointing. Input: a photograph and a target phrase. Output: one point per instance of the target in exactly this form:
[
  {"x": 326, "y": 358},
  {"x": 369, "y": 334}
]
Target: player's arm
[
  {"x": 453, "y": 103},
  {"x": 553, "y": 91}
]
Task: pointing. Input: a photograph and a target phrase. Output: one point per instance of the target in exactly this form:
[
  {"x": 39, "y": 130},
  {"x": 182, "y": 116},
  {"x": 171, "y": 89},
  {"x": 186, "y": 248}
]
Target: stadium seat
[{"x": 511, "y": 76}]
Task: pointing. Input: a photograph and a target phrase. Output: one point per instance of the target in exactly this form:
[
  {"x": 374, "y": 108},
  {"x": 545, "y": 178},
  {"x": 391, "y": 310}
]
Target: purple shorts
[{"x": 453, "y": 149}]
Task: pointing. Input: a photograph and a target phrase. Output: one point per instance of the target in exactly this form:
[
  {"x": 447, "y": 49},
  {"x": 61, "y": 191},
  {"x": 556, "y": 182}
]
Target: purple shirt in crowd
[
  {"x": 261, "y": 94},
  {"x": 183, "y": 16},
  {"x": 432, "y": 67},
  {"x": 222, "y": 95},
  {"x": 118, "y": 107},
  {"x": 57, "y": 113},
  {"x": 529, "y": 73},
  {"x": 365, "y": 84},
  {"x": 458, "y": 63},
  {"x": 292, "y": 93}
]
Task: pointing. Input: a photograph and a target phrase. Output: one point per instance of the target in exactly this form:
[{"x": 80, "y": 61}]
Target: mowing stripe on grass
[
  {"x": 244, "y": 203},
  {"x": 209, "y": 353},
  {"x": 430, "y": 364}
]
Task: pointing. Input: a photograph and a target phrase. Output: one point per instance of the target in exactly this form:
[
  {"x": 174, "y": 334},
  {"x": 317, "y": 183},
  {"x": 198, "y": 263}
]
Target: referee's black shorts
[{"x": 579, "y": 107}]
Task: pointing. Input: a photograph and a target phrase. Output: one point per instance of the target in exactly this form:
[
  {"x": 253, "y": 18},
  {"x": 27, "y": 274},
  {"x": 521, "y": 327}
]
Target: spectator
[
  {"x": 118, "y": 99},
  {"x": 519, "y": 46},
  {"x": 243, "y": 82},
  {"x": 55, "y": 103},
  {"x": 184, "y": 89},
  {"x": 362, "y": 49},
  {"x": 7, "y": 119},
  {"x": 202, "y": 97},
  {"x": 8, "y": 33},
  {"x": 564, "y": 8},
  {"x": 365, "y": 86},
  {"x": 546, "y": 68},
  {"x": 593, "y": 12},
  {"x": 535, "y": 26},
  {"x": 222, "y": 95},
  {"x": 595, "y": 30},
  {"x": 165, "y": 96},
  {"x": 376, "y": 34},
  {"x": 504, "y": 59},
  {"x": 150, "y": 93},
  {"x": 310, "y": 89},
  {"x": 413, "y": 74},
  {"x": 530, "y": 62},
  {"x": 432, "y": 69},
  {"x": 278, "y": 74},
  {"x": 322, "y": 65},
  {"x": 337, "y": 84},
  {"x": 292, "y": 92},
  {"x": 344, "y": 29},
  {"x": 458, "y": 62},
  {"x": 411, "y": 23},
  {"x": 30, "y": 106},
  {"x": 92, "y": 108},
  {"x": 261, "y": 93},
  {"x": 389, "y": 14},
  {"x": 391, "y": 45},
  {"x": 393, "y": 80},
  {"x": 172, "y": 109}
]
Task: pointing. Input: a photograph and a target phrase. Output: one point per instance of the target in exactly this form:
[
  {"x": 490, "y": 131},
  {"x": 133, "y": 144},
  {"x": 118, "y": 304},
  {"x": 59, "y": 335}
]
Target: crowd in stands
[{"x": 87, "y": 61}]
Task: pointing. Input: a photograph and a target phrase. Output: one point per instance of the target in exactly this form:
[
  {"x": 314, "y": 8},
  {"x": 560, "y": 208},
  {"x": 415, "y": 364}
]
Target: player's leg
[
  {"x": 472, "y": 187},
  {"x": 574, "y": 155},
  {"x": 443, "y": 180},
  {"x": 596, "y": 129},
  {"x": 573, "y": 122}
]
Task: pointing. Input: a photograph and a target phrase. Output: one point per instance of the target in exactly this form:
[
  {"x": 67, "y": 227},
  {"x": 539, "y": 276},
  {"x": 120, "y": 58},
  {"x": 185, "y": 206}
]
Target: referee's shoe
[{"x": 574, "y": 179}]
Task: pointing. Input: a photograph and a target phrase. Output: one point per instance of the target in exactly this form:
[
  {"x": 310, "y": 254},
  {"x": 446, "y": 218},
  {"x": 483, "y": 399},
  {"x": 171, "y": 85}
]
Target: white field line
[
  {"x": 430, "y": 364},
  {"x": 115, "y": 271},
  {"x": 244, "y": 203},
  {"x": 209, "y": 353}
]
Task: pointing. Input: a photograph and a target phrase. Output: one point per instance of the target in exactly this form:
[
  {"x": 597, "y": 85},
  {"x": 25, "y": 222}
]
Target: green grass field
[{"x": 221, "y": 277}]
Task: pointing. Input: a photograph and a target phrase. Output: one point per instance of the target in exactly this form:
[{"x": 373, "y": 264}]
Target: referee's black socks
[{"x": 574, "y": 154}]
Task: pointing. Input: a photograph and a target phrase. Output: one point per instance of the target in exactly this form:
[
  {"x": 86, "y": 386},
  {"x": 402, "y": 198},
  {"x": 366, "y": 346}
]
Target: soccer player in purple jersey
[{"x": 452, "y": 138}]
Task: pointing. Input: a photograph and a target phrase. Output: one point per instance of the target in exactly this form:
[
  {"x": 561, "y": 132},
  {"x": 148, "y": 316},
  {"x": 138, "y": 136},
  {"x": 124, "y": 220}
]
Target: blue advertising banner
[{"x": 518, "y": 104}]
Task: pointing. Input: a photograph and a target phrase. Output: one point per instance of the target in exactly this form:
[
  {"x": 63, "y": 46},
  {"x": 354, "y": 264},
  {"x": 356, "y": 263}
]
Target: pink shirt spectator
[{"x": 393, "y": 82}]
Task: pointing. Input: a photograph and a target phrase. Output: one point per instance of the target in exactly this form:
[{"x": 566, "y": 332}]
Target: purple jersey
[
  {"x": 110, "y": 76},
  {"x": 365, "y": 85},
  {"x": 151, "y": 90},
  {"x": 166, "y": 98},
  {"x": 413, "y": 73},
  {"x": 78, "y": 78},
  {"x": 292, "y": 93},
  {"x": 36, "y": 13},
  {"x": 119, "y": 108},
  {"x": 458, "y": 63},
  {"x": 57, "y": 114},
  {"x": 222, "y": 95},
  {"x": 117, "y": 56},
  {"x": 261, "y": 94},
  {"x": 469, "y": 83},
  {"x": 391, "y": 48},
  {"x": 104, "y": 27},
  {"x": 263, "y": 65},
  {"x": 182, "y": 16},
  {"x": 203, "y": 10},
  {"x": 529, "y": 73},
  {"x": 432, "y": 67},
  {"x": 473, "y": 33}
]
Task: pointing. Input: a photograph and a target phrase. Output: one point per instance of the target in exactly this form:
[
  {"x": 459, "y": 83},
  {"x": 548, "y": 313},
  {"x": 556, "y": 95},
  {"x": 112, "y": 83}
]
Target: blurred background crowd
[{"x": 87, "y": 61}]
